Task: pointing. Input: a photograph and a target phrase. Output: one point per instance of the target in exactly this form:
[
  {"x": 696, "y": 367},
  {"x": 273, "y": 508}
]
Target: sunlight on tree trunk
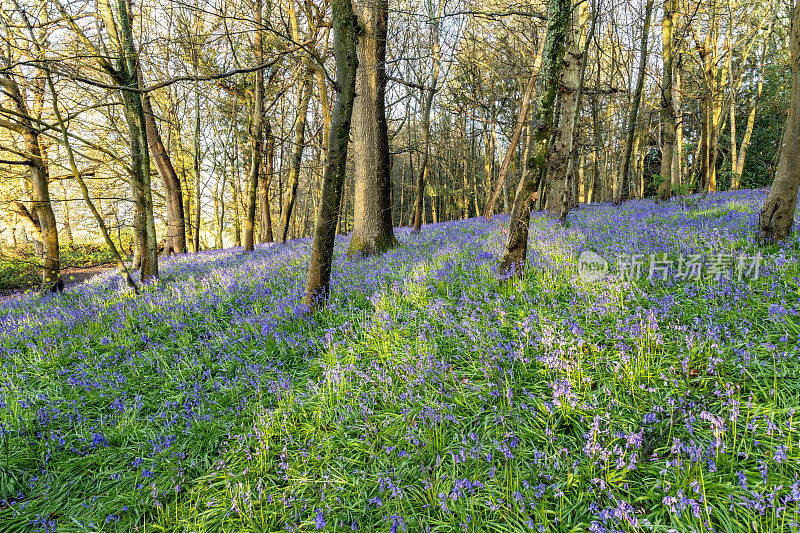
[{"x": 372, "y": 229}]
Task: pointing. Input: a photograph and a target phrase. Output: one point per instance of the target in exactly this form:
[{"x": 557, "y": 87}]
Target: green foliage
[{"x": 15, "y": 274}]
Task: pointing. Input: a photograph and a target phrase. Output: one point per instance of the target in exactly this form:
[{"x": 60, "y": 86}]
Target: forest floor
[{"x": 430, "y": 394}]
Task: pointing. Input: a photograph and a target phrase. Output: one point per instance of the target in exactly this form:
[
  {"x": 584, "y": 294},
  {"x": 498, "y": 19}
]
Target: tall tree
[
  {"x": 264, "y": 214},
  {"x": 125, "y": 74},
  {"x": 667, "y": 103},
  {"x": 558, "y": 17},
  {"x": 429, "y": 94},
  {"x": 560, "y": 160},
  {"x": 344, "y": 46},
  {"x": 712, "y": 103},
  {"x": 41, "y": 214},
  {"x": 624, "y": 190},
  {"x": 372, "y": 229},
  {"x": 256, "y": 133},
  {"x": 304, "y": 97},
  {"x": 738, "y": 156},
  {"x": 777, "y": 216},
  {"x": 176, "y": 224}
]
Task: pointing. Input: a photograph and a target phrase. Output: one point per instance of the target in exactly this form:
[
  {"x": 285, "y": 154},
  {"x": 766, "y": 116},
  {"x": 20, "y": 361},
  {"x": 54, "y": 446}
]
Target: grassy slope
[{"x": 429, "y": 396}]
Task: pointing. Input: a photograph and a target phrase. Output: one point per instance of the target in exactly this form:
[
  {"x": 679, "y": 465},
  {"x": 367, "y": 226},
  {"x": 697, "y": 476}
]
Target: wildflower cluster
[{"x": 429, "y": 395}]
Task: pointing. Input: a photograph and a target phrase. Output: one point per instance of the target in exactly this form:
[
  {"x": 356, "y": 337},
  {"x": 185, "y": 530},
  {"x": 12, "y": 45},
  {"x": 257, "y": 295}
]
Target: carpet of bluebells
[{"x": 430, "y": 395}]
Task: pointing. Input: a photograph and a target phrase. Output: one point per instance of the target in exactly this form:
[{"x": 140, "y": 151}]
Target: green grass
[{"x": 429, "y": 395}]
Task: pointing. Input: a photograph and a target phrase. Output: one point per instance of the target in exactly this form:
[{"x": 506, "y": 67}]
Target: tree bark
[
  {"x": 297, "y": 156},
  {"x": 559, "y": 162},
  {"x": 256, "y": 135},
  {"x": 624, "y": 191},
  {"x": 41, "y": 213},
  {"x": 419, "y": 204},
  {"x": 140, "y": 156},
  {"x": 372, "y": 229},
  {"x": 140, "y": 180},
  {"x": 320, "y": 263},
  {"x": 777, "y": 215},
  {"x": 176, "y": 225},
  {"x": 264, "y": 214},
  {"x": 541, "y": 127},
  {"x": 667, "y": 104}
]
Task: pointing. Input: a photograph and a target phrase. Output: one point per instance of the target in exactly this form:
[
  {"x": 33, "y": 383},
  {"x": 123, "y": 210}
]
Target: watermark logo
[
  {"x": 592, "y": 267},
  {"x": 660, "y": 267}
]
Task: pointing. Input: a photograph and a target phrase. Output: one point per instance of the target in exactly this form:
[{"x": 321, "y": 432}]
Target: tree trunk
[
  {"x": 41, "y": 214},
  {"x": 85, "y": 190},
  {"x": 39, "y": 178},
  {"x": 667, "y": 104},
  {"x": 197, "y": 166},
  {"x": 777, "y": 215},
  {"x": 729, "y": 44},
  {"x": 712, "y": 105},
  {"x": 677, "y": 153},
  {"x": 320, "y": 263},
  {"x": 426, "y": 124},
  {"x": 126, "y": 75},
  {"x": 297, "y": 157},
  {"x": 559, "y": 163},
  {"x": 609, "y": 156},
  {"x": 140, "y": 180},
  {"x": 187, "y": 208},
  {"x": 256, "y": 136},
  {"x": 176, "y": 230},
  {"x": 372, "y": 230},
  {"x": 541, "y": 126},
  {"x": 490, "y": 141},
  {"x": 624, "y": 190},
  {"x": 219, "y": 201},
  {"x": 465, "y": 169},
  {"x": 596, "y": 149},
  {"x": 264, "y": 214}
]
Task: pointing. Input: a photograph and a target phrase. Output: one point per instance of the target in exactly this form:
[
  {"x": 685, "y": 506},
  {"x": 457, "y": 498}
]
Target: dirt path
[{"x": 71, "y": 276}]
